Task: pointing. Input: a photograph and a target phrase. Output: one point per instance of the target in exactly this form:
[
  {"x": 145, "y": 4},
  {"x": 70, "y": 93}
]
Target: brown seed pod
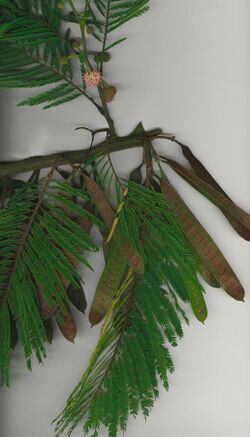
[
  {"x": 108, "y": 284},
  {"x": 203, "y": 244},
  {"x": 99, "y": 199},
  {"x": 207, "y": 276},
  {"x": 220, "y": 200},
  {"x": 67, "y": 326},
  {"x": 109, "y": 93},
  {"x": 45, "y": 310},
  {"x": 203, "y": 173},
  {"x": 77, "y": 297},
  {"x": 133, "y": 257}
]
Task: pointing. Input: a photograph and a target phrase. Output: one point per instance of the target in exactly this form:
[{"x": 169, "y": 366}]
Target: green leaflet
[{"x": 203, "y": 244}]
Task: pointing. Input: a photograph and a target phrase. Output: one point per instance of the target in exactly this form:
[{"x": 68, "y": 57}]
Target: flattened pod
[
  {"x": 68, "y": 326},
  {"x": 202, "y": 172},
  {"x": 100, "y": 201},
  {"x": 133, "y": 257},
  {"x": 219, "y": 199},
  {"x": 203, "y": 244},
  {"x": 197, "y": 300},
  {"x": 77, "y": 297},
  {"x": 45, "y": 310},
  {"x": 207, "y": 276},
  {"x": 108, "y": 285}
]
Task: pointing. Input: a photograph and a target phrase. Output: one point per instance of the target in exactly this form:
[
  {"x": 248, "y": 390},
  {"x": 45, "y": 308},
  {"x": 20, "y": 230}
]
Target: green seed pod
[{"x": 197, "y": 300}]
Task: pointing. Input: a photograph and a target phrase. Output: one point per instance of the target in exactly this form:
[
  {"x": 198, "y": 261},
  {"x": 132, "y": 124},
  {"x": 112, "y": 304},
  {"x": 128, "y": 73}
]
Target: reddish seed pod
[
  {"x": 203, "y": 244},
  {"x": 67, "y": 326}
]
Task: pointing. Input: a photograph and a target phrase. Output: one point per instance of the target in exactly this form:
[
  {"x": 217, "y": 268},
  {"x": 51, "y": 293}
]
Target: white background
[{"x": 184, "y": 68}]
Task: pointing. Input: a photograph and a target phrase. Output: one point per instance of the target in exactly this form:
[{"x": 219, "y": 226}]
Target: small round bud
[
  {"x": 99, "y": 57},
  {"x": 60, "y": 5},
  {"x": 109, "y": 93}
]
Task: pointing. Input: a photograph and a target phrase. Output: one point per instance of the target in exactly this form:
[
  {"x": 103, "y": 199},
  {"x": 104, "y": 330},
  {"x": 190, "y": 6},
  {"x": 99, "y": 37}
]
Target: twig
[{"x": 79, "y": 156}]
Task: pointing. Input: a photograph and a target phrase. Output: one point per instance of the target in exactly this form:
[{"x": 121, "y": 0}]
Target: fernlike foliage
[
  {"x": 34, "y": 51},
  {"x": 155, "y": 248},
  {"x": 122, "y": 378},
  {"x": 38, "y": 242},
  {"x": 106, "y": 16}
]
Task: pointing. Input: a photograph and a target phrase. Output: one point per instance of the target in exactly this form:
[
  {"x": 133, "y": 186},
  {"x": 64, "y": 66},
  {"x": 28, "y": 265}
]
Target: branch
[{"x": 110, "y": 145}]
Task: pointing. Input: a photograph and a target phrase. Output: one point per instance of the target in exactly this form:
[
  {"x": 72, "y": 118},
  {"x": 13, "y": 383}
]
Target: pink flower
[{"x": 92, "y": 78}]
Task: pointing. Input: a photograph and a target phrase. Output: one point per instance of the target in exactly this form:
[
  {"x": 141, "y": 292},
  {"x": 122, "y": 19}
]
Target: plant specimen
[{"x": 155, "y": 249}]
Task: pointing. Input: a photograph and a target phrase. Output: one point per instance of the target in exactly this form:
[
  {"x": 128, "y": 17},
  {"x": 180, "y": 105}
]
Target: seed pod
[
  {"x": 85, "y": 222},
  {"x": 108, "y": 284},
  {"x": 77, "y": 297},
  {"x": 219, "y": 199},
  {"x": 203, "y": 244},
  {"x": 67, "y": 326},
  {"x": 109, "y": 93},
  {"x": 45, "y": 310},
  {"x": 98, "y": 197},
  {"x": 197, "y": 300},
  {"x": 136, "y": 175},
  {"x": 49, "y": 329},
  {"x": 76, "y": 294},
  {"x": 207, "y": 276},
  {"x": 202, "y": 172},
  {"x": 133, "y": 257}
]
